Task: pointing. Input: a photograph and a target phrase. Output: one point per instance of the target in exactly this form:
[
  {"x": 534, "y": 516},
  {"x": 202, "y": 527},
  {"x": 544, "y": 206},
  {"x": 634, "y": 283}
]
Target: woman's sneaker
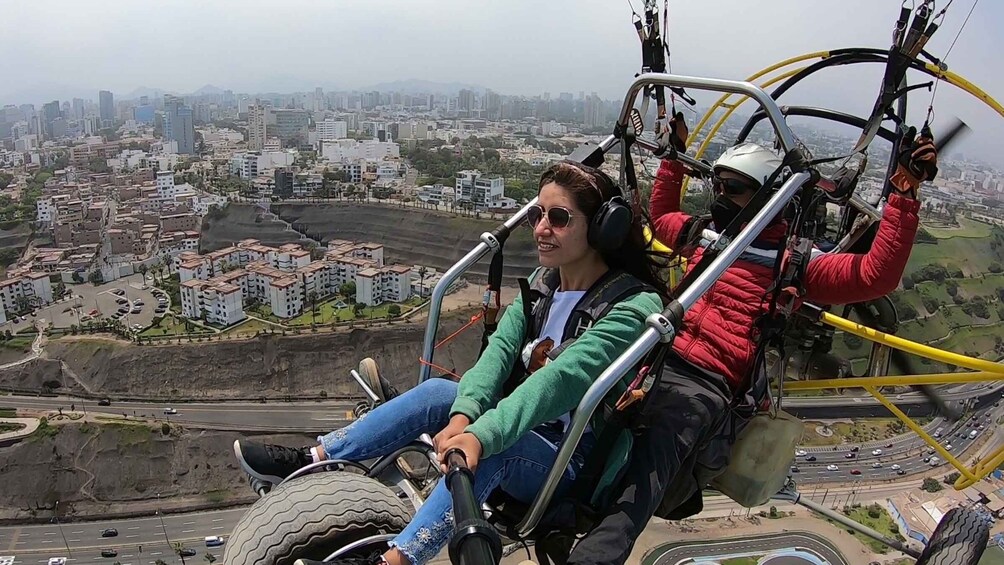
[
  {"x": 371, "y": 374},
  {"x": 270, "y": 463}
]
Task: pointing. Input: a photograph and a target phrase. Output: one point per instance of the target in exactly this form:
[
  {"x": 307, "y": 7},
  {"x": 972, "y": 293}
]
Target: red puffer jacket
[{"x": 716, "y": 330}]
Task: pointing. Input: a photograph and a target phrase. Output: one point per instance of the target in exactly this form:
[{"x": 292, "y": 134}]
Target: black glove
[
  {"x": 678, "y": 132},
  {"x": 917, "y": 162}
]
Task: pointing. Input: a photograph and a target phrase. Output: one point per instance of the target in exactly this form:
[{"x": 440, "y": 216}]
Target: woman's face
[{"x": 561, "y": 246}]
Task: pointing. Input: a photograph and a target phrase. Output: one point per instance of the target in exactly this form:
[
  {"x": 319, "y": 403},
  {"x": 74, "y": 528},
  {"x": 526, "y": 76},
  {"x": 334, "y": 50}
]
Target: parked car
[
  {"x": 800, "y": 453},
  {"x": 136, "y": 310},
  {"x": 888, "y": 446},
  {"x": 138, "y": 302},
  {"x": 118, "y": 291},
  {"x": 794, "y": 468},
  {"x": 109, "y": 553},
  {"x": 170, "y": 411},
  {"x": 109, "y": 533}
]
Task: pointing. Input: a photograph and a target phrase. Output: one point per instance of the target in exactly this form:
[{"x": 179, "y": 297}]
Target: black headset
[{"x": 611, "y": 224}]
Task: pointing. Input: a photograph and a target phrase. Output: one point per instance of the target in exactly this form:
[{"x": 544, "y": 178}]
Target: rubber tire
[
  {"x": 960, "y": 539},
  {"x": 312, "y": 516}
]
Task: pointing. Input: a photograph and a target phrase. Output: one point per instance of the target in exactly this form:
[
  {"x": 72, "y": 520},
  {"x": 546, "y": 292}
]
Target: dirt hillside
[
  {"x": 264, "y": 366},
  {"x": 93, "y": 468},
  {"x": 410, "y": 236}
]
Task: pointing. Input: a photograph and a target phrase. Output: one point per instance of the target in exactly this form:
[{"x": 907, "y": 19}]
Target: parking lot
[{"x": 91, "y": 302}]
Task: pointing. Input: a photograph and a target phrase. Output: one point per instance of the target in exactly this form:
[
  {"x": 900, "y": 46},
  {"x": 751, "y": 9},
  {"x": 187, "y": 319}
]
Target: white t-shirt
[{"x": 562, "y": 305}]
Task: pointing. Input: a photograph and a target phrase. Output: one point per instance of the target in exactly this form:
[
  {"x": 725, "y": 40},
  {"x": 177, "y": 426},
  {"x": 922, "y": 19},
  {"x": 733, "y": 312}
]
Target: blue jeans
[{"x": 519, "y": 470}]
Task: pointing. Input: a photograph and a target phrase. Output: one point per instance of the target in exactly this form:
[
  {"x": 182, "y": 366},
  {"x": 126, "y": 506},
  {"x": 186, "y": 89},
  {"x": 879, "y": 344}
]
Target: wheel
[
  {"x": 960, "y": 539},
  {"x": 312, "y": 516}
]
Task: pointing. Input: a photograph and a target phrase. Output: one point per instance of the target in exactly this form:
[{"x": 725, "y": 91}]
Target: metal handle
[{"x": 474, "y": 541}]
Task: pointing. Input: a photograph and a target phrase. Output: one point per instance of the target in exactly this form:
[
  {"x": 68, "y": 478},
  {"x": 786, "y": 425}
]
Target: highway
[
  {"x": 236, "y": 416},
  {"x": 759, "y": 545},
  {"x": 36, "y": 544}
]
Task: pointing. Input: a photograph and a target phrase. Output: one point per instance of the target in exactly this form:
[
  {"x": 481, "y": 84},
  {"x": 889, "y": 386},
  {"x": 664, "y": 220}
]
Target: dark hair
[{"x": 590, "y": 188}]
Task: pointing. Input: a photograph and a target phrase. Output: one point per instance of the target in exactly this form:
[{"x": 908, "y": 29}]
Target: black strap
[{"x": 494, "y": 285}]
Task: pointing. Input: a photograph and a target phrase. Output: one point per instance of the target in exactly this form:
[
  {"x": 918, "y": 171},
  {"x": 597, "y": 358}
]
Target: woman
[{"x": 507, "y": 419}]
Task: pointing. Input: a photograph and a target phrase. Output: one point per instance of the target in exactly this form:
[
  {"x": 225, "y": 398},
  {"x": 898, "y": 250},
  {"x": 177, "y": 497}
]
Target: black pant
[{"x": 687, "y": 444}]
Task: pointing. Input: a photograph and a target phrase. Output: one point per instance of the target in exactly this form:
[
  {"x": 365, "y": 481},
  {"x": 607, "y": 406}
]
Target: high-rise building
[
  {"x": 178, "y": 124},
  {"x": 50, "y": 111},
  {"x": 78, "y": 108},
  {"x": 332, "y": 129},
  {"x": 106, "y": 105},
  {"x": 256, "y": 127},
  {"x": 291, "y": 126}
]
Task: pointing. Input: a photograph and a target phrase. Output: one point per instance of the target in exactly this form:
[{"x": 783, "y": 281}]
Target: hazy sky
[{"x": 59, "y": 48}]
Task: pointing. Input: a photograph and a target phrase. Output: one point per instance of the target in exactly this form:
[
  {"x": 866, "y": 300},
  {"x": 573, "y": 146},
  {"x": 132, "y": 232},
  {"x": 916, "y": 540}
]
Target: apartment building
[
  {"x": 31, "y": 289},
  {"x": 217, "y": 302}
]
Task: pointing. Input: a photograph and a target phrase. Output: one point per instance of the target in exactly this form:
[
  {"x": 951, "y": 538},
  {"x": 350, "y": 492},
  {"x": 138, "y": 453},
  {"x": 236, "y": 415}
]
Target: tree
[
  {"x": 142, "y": 270},
  {"x": 98, "y": 165},
  {"x": 312, "y": 298},
  {"x": 95, "y": 278},
  {"x": 5, "y": 180},
  {"x": 951, "y": 287},
  {"x": 908, "y": 282},
  {"x": 76, "y": 277},
  {"x": 951, "y": 478},
  {"x": 995, "y": 267},
  {"x": 422, "y": 271},
  {"x": 348, "y": 290},
  {"x": 931, "y": 485},
  {"x": 209, "y": 557},
  {"x": 394, "y": 310},
  {"x": 358, "y": 308}
]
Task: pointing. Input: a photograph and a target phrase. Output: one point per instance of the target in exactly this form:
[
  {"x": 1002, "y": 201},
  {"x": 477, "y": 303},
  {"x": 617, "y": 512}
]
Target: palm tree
[
  {"x": 422, "y": 271},
  {"x": 142, "y": 270},
  {"x": 312, "y": 297}
]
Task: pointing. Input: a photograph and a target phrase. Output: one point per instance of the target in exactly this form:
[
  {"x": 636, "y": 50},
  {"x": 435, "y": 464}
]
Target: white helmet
[{"x": 750, "y": 160}]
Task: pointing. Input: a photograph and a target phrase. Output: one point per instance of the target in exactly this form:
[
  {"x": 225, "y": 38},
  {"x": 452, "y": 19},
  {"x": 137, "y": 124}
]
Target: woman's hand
[
  {"x": 465, "y": 442},
  {"x": 458, "y": 423}
]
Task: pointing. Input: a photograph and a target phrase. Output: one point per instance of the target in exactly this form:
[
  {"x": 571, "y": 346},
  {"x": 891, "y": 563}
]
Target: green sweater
[{"x": 552, "y": 390}]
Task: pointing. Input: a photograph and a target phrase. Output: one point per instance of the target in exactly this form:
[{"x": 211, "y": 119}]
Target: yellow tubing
[{"x": 911, "y": 346}]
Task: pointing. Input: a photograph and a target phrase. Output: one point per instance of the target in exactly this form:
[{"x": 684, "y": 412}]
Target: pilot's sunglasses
[
  {"x": 732, "y": 186},
  {"x": 557, "y": 217}
]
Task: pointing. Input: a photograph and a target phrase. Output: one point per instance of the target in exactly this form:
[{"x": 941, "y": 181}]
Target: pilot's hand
[{"x": 917, "y": 162}]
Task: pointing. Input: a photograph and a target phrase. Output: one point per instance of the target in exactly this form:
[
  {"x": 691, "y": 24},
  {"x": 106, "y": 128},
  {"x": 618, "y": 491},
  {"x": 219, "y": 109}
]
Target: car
[
  {"x": 109, "y": 553},
  {"x": 187, "y": 552},
  {"x": 982, "y": 427},
  {"x": 930, "y": 451},
  {"x": 105, "y": 402},
  {"x": 998, "y": 403},
  {"x": 213, "y": 541},
  {"x": 118, "y": 291},
  {"x": 800, "y": 453},
  {"x": 855, "y": 449},
  {"x": 832, "y": 467},
  {"x": 57, "y": 561},
  {"x": 850, "y": 456},
  {"x": 876, "y": 465},
  {"x": 935, "y": 462},
  {"x": 170, "y": 411},
  {"x": 900, "y": 472},
  {"x": 927, "y": 459},
  {"x": 136, "y": 310},
  {"x": 888, "y": 446},
  {"x": 948, "y": 447},
  {"x": 855, "y": 471},
  {"x": 876, "y": 452},
  {"x": 794, "y": 469},
  {"x": 895, "y": 467},
  {"x": 109, "y": 533},
  {"x": 138, "y": 303},
  {"x": 810, "y": 458},
  {"x": 159, "y": 311},
  {"x": 121, "y": 300}
]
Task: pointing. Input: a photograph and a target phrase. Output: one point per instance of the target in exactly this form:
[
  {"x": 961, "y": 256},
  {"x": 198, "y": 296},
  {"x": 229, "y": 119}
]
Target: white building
[
  {"x": 218, "y": 302},
  {"x": 480, "y": 191},
  {"x": 256, "y": 127},
  {"x": 388, "y": 284},
  {"x": 332, "y": 129},
  {"x": 166, "y": 188},
  {"x": 31, "y": 290},
  {"x": 11, "y": 158},
  {"x": 44, "y": 210},
  {"x": 342, "y": 150}
]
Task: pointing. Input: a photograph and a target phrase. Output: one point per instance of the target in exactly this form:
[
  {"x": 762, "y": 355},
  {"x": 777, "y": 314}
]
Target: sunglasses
[
  {"x": 557, "y": 217},
  {"x": 733, "y": 187}
]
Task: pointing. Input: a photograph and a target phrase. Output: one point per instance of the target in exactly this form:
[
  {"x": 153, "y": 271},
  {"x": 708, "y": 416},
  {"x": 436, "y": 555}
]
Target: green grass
[
  {"x": 171, "y": 325},
  {"x": 8, "y": 412},
  {"x": 6, "y": 427},
  {"x": 742, "y": 560},
  {"x": 215, "y": 496},
  {"x": 967, "y": 229},
  {"x": 972, "y": 255},
  {"x": 130, "y": 434},
  {"x": 18, "y": 343},
  {"x": 884, "y": 524},
  {"x": 250, "y": 326},
  {"x": 861, "y": 430},
  {"x": 993, "y": 556}
]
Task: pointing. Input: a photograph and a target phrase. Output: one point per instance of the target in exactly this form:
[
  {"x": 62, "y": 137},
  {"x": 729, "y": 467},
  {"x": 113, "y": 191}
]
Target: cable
[{"x": 934, "y": 92}]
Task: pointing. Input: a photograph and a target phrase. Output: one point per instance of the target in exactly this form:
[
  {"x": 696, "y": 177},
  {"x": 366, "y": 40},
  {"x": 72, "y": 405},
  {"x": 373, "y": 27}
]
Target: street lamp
[
  {"x": 164, "y": 529},
  {"x": 60, "y": 526}
]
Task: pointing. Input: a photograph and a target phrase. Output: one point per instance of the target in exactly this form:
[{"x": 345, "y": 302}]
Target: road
[
  {"x": 758, "y": 545},
  {"x": 36, "y": 544},
  {"x": 307, "y": 417}
]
